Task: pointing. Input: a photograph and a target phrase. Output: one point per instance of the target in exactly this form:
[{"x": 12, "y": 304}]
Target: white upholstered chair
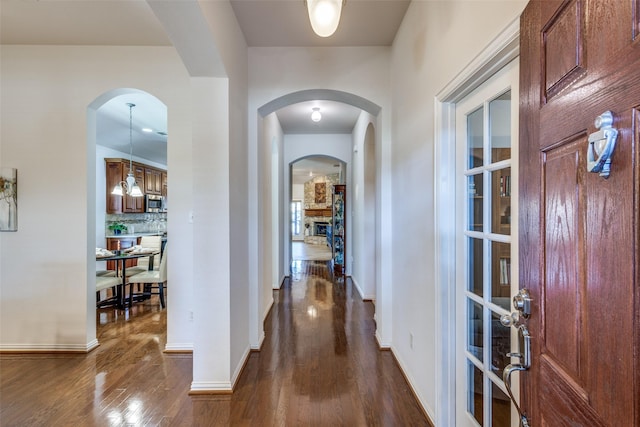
[
  {"x": 104, "y": 283},
  {"x": 106, "y": 273},
  {"x": 151, "y": 242},
  {"x": 151, "y": 279}
]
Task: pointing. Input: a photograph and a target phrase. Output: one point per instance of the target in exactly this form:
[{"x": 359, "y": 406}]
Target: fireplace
[{"x": 320, "y": 228}]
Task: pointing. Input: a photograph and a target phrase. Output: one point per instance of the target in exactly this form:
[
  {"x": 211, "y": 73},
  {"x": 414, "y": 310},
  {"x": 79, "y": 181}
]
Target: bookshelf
[{"x": 338, "y": 245}]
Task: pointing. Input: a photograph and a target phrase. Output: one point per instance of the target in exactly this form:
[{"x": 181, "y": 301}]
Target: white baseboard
[
  {"x": 426, "y": 408},
  {"x": 49, "y": 348},
  {"x": 212, "y": 387},
  {"x": 260, "y": 341},
  {"x": 267, "y": 310},
  {"x": 243, "y": 361},
  {"x": 357, "y": 285},
  {"x": 178, "y": 348},
  {"x": 361, "y": 292},
  {"x": 382, "y": 345},
  {"x": 280, "y": 283}
]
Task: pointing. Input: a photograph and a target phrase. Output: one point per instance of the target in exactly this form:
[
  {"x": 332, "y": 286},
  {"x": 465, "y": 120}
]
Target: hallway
[{"x": 319, "y": 366}]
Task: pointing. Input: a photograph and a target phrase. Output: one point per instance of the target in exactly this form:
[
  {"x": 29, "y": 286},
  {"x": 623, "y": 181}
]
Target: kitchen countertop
[{"x": 135, "y": 235}]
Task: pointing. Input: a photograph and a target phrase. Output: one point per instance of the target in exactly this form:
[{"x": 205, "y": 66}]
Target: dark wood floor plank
[{"x": 319, "y": 366}]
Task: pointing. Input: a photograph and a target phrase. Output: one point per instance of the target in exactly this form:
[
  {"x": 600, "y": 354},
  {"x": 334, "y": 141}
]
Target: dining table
[{"x": 121, "y": 259}]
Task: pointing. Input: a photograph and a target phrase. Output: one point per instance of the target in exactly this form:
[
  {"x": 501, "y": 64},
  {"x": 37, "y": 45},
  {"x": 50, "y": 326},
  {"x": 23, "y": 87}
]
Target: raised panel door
[{"x": 579, "y": 232}]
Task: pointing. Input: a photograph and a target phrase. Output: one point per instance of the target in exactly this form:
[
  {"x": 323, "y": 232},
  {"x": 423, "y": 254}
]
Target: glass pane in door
[
  {"x": 475, "y": 199},
  {"x": 501, "y": 274},
  {"x": 475, "y": 392},
  {"x": 475, "y": 135},
  {"x": 500, "y": 345},
  {"x": 500, "y": 127},
  {"x": 475, "y": 266},
  {"x": 475, "y": 330},
  {"x": 501, "y": 201},
  {"x": 500, "y": 407}
]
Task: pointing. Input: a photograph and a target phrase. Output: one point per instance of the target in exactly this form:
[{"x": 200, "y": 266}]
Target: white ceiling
[
  {"x": 112, "y": 123},
  {"x": 305, "y": 169},
  {"x": 337, "y": 117},
  {"x": 133, "y": 23},
  {"x": 72, "y": 22},
  {"x": 286, "y": 23}
]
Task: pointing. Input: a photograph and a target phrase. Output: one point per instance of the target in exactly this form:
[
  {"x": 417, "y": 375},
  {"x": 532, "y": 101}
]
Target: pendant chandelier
[{"x": 130, "y": 186}]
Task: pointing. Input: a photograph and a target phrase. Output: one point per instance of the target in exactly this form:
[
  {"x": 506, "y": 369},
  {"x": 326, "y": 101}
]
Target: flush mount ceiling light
[
  {"x": 315, "y": 115},
  {"x": 324, "y": 15},
  {"x": 130, "y": 185}
]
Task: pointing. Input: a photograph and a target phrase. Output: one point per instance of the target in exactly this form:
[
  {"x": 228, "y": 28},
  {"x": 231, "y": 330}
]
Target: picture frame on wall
[
  {"x": 321, "y": 192},
  {"x": 8, "y": 199}
]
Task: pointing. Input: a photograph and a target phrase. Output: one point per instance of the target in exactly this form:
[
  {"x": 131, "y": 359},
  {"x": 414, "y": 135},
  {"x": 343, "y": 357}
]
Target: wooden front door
[{"x": 579, "y": 233}]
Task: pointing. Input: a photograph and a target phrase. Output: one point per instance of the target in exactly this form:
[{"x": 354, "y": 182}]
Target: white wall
[
  {"x": 212, "y": 276},
  {"x": 232, "y": 116},
  {"x": 422, "y": 64},
  {"x": 47, "y": 267},
  {"x": 363, "y": 213},
  {"x": 297, "y": 193},
  {"x": 270, "y": 199}
]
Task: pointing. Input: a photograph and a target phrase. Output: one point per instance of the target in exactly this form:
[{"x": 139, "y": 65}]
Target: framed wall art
[
  {"x": 321, "y": 192},
  {"x": 8, "y": 199}
]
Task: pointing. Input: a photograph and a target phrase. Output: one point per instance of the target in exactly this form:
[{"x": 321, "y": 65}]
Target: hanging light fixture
[
  {"x": 315, "y": 115},
  {"x": 129, "y": 186},
  {"x": 324, "y": 15}
]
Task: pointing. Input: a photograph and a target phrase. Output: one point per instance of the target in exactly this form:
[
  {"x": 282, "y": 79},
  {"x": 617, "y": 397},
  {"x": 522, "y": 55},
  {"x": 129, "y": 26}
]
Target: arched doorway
[
  {"x": 312, "y": 179},
  {"x": 268, "y": 131},
  {"x": 109, "y": 136}
]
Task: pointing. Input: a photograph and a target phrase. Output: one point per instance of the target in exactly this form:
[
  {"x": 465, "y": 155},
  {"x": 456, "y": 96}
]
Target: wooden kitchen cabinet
[
  {"x": 150, "y": 180},
  {"x": 114, "y": 176},
  {"x": 153, "y": 181},
  {"x": 164, "y": 184}
]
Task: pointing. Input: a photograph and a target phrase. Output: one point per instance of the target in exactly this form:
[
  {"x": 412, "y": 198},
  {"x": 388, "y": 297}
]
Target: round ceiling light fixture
[
  {"x": 315, "y": 115},
  {"x": 324, "y": 15}
]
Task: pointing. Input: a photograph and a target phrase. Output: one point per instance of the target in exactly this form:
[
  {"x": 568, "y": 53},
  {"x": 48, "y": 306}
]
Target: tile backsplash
[{"x": 155, "y": 222}]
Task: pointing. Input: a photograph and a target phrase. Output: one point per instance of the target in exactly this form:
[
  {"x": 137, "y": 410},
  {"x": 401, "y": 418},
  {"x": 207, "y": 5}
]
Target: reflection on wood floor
[
  {"x": 301, "y": 251},
  {"x": 319, "y": 366}
]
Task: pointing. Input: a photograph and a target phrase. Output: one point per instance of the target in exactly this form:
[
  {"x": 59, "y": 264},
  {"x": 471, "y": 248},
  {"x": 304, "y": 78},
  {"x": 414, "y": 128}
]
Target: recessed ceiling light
[{"x": 148, "y": 130}]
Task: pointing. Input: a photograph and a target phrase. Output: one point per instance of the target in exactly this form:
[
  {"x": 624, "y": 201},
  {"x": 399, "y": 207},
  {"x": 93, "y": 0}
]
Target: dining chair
[
  {"x": 150, "y": 242},
  {"x": 151, "y": 279},
  {"x": 104, "y": 283},
  {"x": 106, "y": 273}
]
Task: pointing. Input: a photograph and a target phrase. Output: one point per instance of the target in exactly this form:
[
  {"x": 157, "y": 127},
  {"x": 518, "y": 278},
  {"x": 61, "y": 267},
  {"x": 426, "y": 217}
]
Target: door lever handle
[
  {"x": 525, "y": 364},
  {"x": 506, "y": 377}
]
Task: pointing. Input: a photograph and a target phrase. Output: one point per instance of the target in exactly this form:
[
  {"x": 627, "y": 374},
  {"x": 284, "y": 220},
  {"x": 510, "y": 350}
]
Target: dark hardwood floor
[{"x": 319, "y": 366}]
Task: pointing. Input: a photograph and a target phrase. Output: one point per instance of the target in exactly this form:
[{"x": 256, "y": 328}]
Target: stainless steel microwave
[{"x": 154, "y": 203}]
